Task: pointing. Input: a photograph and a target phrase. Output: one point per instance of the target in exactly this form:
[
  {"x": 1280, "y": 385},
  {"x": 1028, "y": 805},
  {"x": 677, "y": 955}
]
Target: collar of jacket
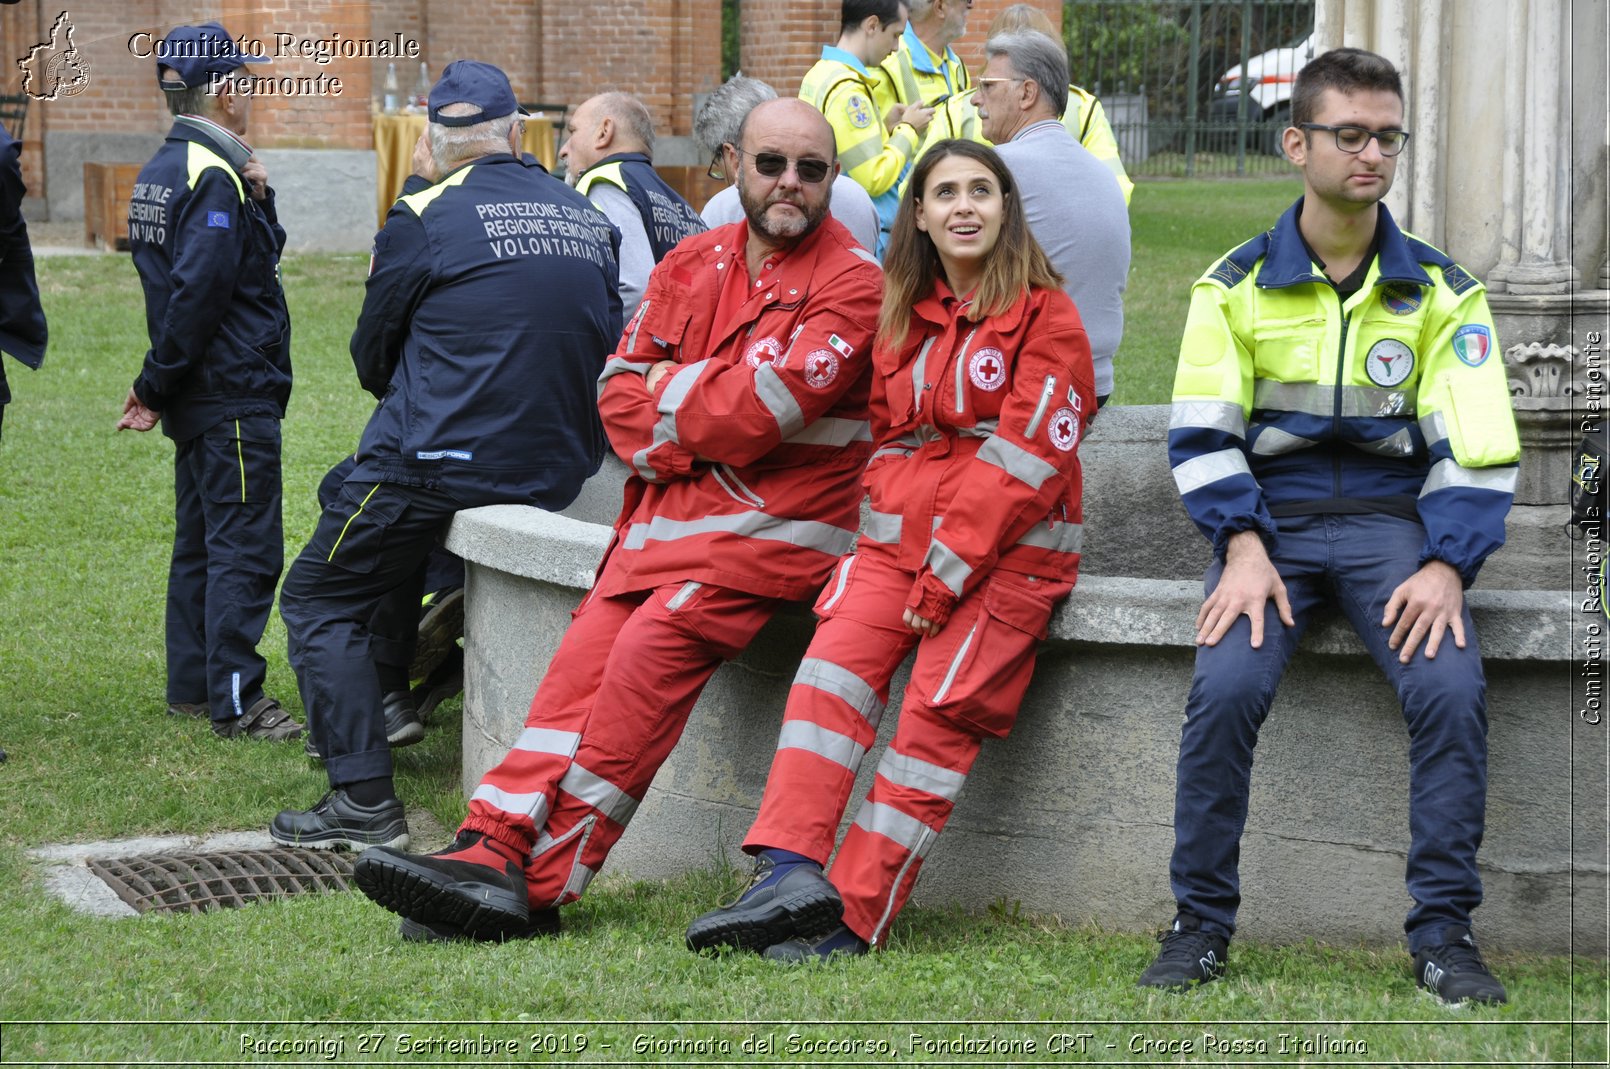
[
  {"x": 215, "y": 137},
  {"x": 922, "y": 57},
  {"x": 1286, "y": 262},
  {"x": 619, "y": 157},
  {"x": 932, "y": 309},
  {"x": 849, "y": 59}
]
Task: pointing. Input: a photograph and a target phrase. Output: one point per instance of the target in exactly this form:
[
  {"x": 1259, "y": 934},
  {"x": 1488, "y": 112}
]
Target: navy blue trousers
[
  {"x": 1355, "y": 561},
  {"x": 228, "y": 550},
  {"x": 370, "y": 545}
]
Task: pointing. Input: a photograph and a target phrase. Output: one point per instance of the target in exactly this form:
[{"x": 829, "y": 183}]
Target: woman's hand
[{"x": 921, "y": 624}]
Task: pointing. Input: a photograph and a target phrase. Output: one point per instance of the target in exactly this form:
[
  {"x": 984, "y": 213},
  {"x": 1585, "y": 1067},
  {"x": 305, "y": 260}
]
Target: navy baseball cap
[
  {"x": 196, "y": 53},
  {"x": 468, "y": 81}
]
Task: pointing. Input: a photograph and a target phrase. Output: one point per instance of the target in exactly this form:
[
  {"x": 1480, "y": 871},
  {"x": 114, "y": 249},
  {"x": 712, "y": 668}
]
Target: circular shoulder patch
[
  {"x": 1400, "y": 298},
  {"x": 821, "y": 368},
  {"x": 859, "y": 110},
  {"x": 1389, "y": 362},
  {"x": 987, "y": 369},
  {"x": 765, "y": 351},
  {"x": 1064, "y": 429}
]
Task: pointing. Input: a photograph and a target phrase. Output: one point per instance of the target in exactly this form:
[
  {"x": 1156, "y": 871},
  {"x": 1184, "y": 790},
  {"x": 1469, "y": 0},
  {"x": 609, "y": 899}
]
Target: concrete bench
[{"x": 1072, "y": 815}]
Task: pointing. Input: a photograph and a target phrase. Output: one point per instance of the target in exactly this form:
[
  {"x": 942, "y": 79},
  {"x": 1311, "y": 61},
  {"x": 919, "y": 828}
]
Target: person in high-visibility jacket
[
  {"x": 923, "y": 70},
  {"x": 1341, "y": 430},
  {"x": 841, "y": 87},
  {"x": 737, "y": 396},
  {"x": 983, "y": 387}
]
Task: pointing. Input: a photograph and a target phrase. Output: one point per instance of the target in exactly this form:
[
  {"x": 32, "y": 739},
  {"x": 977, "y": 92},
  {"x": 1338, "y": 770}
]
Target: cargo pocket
[
  {"x": 980, "y": 674},
  {"x": 833, "y": 594},
  {"x": 243, "y": 461},
  {"x": 352, "y": 533}
]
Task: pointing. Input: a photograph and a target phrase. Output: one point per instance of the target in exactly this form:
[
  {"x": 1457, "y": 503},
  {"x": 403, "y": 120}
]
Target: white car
[{"x": 1267, "y": 84}]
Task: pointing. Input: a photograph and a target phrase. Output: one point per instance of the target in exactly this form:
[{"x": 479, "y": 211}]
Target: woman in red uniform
[{"x": 982, "y": 384}]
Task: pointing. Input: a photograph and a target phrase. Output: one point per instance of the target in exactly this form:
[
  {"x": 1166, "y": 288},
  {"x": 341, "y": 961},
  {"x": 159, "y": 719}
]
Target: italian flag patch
[{"x": 844, "y": 348}]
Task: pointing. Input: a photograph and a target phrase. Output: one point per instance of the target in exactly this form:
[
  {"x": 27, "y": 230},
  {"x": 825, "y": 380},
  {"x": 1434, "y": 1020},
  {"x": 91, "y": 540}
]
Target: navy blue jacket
[
  {"x": 208, "y": 257},
  {"x": 22, "y": 318},
  {"x": 490, "y": 307},
  {"x": 667, "y": 218}
]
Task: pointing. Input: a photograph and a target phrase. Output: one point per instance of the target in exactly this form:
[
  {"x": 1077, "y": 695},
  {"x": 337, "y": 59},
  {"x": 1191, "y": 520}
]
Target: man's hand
[
  {"x": 658, "y": 372},
  {"x": 891, "y": 118},
  {"x": 1425, "y": 605},
  {"x": 424, "y": 160},
  {"x": 921, "y": 624},
  {"x": 256, "y": 176},
  {"x": 137, "y": 417},
  {"x": 1248, "y": 582},
  {"x": 917, "y": 115}
]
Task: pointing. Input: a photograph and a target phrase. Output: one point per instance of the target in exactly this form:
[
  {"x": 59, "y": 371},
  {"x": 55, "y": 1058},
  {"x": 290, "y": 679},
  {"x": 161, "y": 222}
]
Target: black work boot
[
  {"x": 1190, "y": 957},
  {"x": 799, "y": 902},
  {"x": 476, "y": 885},
  {"x": 337, "y": 822}
]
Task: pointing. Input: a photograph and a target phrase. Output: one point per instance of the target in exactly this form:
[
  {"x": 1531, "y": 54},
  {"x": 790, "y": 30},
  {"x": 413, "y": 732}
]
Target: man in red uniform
[{"x": 738, "y": 397}]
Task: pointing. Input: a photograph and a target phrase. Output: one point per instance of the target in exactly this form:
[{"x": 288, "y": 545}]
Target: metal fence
[{"x": 1192, "y": 87}]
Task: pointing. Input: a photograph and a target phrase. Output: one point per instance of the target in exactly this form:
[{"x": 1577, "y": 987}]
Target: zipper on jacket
[
  {"x": 1045, "y": 402},
  {"x": 736, "y": 488},
  {"x": 1336, "y": 403},
  {"x": 961, "y": 372}
]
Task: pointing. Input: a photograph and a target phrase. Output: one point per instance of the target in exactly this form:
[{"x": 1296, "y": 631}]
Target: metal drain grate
[{"x": 195, "y": 883}]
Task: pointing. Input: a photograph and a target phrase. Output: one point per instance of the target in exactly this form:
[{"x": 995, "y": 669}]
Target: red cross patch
[
  {"x": 1065, "y": 429},
  {"x": 765, "y": 351},
  {"x": 821, "y": 368},
  {"x": 987, "y": 369}
]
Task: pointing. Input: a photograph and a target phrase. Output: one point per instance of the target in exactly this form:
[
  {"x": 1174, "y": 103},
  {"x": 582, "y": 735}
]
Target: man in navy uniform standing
[
  {"x": 206, "y": 241},
  {"x": 491, "y": 304}
]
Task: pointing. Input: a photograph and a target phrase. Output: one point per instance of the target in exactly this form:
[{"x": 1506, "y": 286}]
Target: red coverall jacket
[
  {"x": 746, "y": 461},
  {"x": 975, "y": 467}
]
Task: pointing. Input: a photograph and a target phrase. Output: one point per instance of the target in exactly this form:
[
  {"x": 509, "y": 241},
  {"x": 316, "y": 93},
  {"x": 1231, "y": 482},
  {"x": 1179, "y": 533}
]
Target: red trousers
[
  {"x": 966, "y": 683},
  {"x": 610, "y": 709}
]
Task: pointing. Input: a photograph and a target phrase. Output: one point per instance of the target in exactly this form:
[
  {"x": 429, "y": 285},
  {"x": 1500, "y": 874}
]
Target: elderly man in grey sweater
[{"x": 1074, "y": 206}]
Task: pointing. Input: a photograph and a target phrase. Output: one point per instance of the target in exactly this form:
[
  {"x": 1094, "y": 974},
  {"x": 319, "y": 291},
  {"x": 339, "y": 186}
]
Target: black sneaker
[
  {"x": 469, "y": 886},
  {"x": 264, "y": 720},
  {"x": 840, "y": 942},
  {"x": 403, "y": 726},
  {"x": 1455, "y": 973},
  {"x": 339, "y": 823},
  {"x": 801, "y": 903},
  {"x": 1189, "y": 957},
  {"x": 543, "y": 922}
]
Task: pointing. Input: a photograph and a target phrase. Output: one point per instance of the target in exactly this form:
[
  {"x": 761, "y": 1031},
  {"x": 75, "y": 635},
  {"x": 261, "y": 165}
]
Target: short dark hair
[
  {"x": 854, "y": 12},
  {"x": 1346, "y": 70}
]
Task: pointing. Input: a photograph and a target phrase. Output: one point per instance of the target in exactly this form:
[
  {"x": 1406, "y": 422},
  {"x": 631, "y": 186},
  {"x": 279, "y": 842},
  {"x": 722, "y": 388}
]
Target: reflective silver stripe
[
  {"x": 1039, "y": 409},
  {"x": 1317, "y": 399},
  {"x": 599, "y": 793},
  {"x": 1016, "y": 461},
  {"x": 1059, "y": 537},
  {"x": 735, "y": 486},
  {"x": 1397, "y": 444},
  {"x": 889, "y": 822},
  {"x": 919, "y": 371},
  {"x": 580, "y": 876},
  {"x": 830, "y": 430},
  {"x": 534, "y": 806},
  {"x": 919, "y": 775},
  {"x": 961, "y": 371},
  {"x": 806, "y": 534},
  {"x": 1448, "y": 473},
  {"x": 856, "y": 155},
  {"x": 882, "y": 527},
  {"x": 814, "y": 738},
  {"x": 1434, "y": 425},
  {"x": 640, "y": 463},
  {"x": 619, "y": 365},
  {"x": 676, "y": 391},
  {"x": 769, "y": 387},
  {"x": 947, "y": 566},
  {"x": 841, "y": 578},
  {"x": 892, "y": 451},
  {"x": 867, "y": 256},
  {"x": 1209, "y": 468},
  {"x": 955, "y": 665},
  {"x": 547, "y": 740},
  {"x": 842, "y": 683},
  {"x": 1223, "y": 416},
  {"x": 1272, "y": 441},
  {"x": 637, "y": 325},
  {"x": 680, "y": 598},
  {"x": 894, "y": 892},
  {"x": 982, "y": 429}
]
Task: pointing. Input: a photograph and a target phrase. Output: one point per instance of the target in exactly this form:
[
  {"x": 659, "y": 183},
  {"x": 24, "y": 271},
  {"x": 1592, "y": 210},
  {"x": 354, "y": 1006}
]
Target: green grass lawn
[{"x": 84, "y": 538}]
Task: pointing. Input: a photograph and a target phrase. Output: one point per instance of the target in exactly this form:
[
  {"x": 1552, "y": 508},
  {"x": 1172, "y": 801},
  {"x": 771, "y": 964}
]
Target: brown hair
[
  {"x": 911, "y": 265},
  {"x": 1346, "y": 70}
]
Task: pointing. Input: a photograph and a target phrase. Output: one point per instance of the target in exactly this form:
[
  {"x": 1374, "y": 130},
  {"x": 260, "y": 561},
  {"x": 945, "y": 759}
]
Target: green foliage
[{"x": 730, "y": 60}]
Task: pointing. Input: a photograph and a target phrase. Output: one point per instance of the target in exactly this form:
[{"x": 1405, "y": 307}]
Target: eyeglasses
[
  {"x": 773, "y": 164},
  {"x": 1354, "y": 138},
  {"x": 717, "y": 168}
]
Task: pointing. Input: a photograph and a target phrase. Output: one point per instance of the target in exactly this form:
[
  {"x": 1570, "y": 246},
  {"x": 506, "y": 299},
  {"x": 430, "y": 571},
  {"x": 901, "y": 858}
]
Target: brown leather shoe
[{"x": 264, "y": 720}]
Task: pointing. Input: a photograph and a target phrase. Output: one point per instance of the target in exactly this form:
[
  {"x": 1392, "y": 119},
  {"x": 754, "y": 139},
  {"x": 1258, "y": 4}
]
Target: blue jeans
[{"x": 1356, "y": 561}]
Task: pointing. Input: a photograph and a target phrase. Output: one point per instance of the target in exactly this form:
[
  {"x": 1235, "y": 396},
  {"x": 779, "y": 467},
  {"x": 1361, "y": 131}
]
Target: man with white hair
[
  {"x": 491, "y": 303},
  {"x": 609, "y": 158},
  {"x": 717, "y": 124},
  {"x": 1074, "y": 208}
]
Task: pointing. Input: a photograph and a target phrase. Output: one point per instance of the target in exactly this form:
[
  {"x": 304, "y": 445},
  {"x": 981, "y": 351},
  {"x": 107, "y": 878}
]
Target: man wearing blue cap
[
  {"x": 206, "y": 241},
  {"x": 491, "y": 304}
]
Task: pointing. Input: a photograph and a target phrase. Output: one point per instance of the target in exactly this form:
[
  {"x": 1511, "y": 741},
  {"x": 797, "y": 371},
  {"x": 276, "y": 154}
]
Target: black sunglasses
[{"x": 773, "y": 164}]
